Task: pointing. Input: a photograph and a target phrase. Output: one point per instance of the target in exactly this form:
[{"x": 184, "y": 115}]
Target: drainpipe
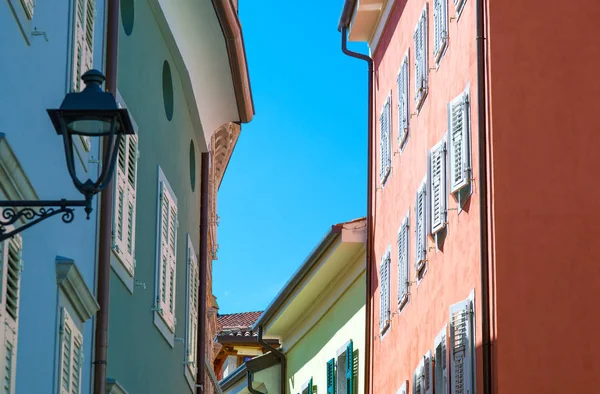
[
  {"x": 201, "y": 341},
  {"x": 346, "y": 15},
  {"x": 483, "y": 200},
  {"x": 276, "y": 353},
  {"x": 251, "y": 389},
  {"x": 106, "y": 213}
]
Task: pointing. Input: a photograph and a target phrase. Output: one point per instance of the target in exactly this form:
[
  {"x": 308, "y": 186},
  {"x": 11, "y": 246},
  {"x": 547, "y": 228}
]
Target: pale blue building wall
[{"x": 33, "y": 78}]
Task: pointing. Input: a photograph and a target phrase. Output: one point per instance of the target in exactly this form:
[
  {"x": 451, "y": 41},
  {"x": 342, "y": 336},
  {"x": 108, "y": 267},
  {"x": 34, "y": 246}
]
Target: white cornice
[
  {"x": 380, "y": 26},
  {"x": 113, "y": 387},
  {"x": 71, "y": 282},
  {"x": 326, "y": 300},
  {"x": 14, "y": 183}
]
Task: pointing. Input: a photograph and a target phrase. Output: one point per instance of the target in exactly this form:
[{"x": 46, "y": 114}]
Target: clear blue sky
[{"x": 300, "y": 165}]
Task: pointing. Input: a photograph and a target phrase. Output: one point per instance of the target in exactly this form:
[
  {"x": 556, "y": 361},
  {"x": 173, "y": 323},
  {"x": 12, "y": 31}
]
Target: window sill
[
  {"x": 164, "y": 329},
  {"x": 121, "y": 272}
]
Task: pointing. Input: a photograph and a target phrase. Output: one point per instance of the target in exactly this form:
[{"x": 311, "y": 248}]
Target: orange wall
[
  {"x": 545, "y": 135},
  {"x": 454, "y": 272}
]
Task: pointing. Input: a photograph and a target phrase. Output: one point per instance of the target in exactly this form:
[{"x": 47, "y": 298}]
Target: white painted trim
[
  {"x": 14, "y": 183},
  {"x": 402, "y": 389},
  {"x": 71, "y": 282},
  {"x": 113, "y": 387},
  {"x": 326, "y": 300},
  {"x": 380, "y": 26}
]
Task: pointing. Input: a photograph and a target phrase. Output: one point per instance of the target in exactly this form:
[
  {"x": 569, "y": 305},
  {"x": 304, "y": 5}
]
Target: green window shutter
[
  {"x": 310, "y": 386},
  {"x": 330, "y": 377},
  {"x": 349, "y": 369}
]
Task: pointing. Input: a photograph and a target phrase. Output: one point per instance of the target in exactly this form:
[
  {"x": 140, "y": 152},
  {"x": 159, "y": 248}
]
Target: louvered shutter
[
  {"x": 10, "y": 258},
  {"x": 90, "y": 17},
  {"x": 9, "y": 366},
  {"x": 78, "y": 45},
  {"x": 418, "y": 379},
  {"x": 459, "y": 5},
  {"x": 310, "y": 386},
  {"x": 440, "y": 39},
  {"x": 70, "y": 355},
  {"x": 350, "y": 368},
  {"x": 421, "y": 71},
  {"x": 331, "y": 376},
  {"x": 194, "y": 281},
  {"x": 403, "y": 277},
  {"x": 437, "y": 177},
  {"x": 458, "y": 124},
  {"x": 28, "y": 6},
  {"x": 385, "y": 141},
  {"x": 428, "y": 374},
  {"x": 420, "y": 227},
  {"x": 125, "y": 203},
  {"x": 403, "y": 104},
  {"x": 461, "y": 348},
  {"x": 441, "y": 364},
  {"x": 167, "y": 269},
  {"x": 384, "y": 316}
]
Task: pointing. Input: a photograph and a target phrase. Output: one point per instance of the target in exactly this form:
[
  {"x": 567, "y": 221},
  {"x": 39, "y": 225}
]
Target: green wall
[
  {"x": 344, "y": 321},
  {"x": 139, "y": 356}
]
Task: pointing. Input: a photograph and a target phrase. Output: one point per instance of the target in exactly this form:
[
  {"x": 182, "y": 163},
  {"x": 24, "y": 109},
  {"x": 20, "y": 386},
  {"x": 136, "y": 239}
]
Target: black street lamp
[{"x": 91, "y": 112}]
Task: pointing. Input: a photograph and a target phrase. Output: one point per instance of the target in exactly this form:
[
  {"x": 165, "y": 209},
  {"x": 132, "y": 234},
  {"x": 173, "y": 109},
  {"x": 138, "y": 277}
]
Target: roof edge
[
  {"x": 233, "y": 377},
  {"x": 290, "y": 286},
  {"x": 346, "y": 16},
  {"x": 234, "y": 41}
]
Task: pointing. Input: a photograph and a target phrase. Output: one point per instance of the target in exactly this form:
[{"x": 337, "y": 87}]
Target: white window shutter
[
  {"x": 437, "y": 179},
  {"x": 441, "y": 363},
  {"x": 403, "y": 103},
  {"x": 428, "y": 373},
  {"x": 79, "y": 49},
  {"x": 420, "y": 227},
  {"x": 461, "y": 348},
  {"x": 90, "y": 17},
  {"x": 192, "y": 326},
  {"x": 167, "y": 269},
  {"x": 385, "y": 140},
  {"x": 125, "y": 203},
  {"x": 419, "y": 379},
  {"x": 403, "y": 278},
  {"x": 384, "y": 289},
  {"x": 70, "y": 355},
  {"x": 440, "y": 39},
  {"x": 458, "y": 6},
  {"x": 421, "y": 65},
  {"x": 28, "y": 6},
  {"x": 458, "y": 124}
]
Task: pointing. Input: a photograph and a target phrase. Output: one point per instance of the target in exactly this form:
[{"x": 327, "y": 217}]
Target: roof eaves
[{"x": 347, "y": 12}]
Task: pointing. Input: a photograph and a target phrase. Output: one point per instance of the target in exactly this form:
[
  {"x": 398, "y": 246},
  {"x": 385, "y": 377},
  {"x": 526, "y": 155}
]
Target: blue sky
[{"x": 300, "y": 165}]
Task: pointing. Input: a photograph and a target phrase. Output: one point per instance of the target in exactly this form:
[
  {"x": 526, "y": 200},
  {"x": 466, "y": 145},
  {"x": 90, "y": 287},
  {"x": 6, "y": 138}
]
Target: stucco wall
[
  {"x": 35, "y": 78},
  {"x": 344, "y": 321},
  {"x": 140, "y": 358},
  {"x": 452, "y": 271},
  {"x": 544, "y": 138}
]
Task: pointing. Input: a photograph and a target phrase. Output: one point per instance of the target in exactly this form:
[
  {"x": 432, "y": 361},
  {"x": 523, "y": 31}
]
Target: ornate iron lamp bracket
[{"x": 37, "y": 211}]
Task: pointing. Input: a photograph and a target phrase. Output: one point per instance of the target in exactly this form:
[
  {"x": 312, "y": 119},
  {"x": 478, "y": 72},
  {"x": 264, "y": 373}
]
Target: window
[
  {"x": 384, "y": 292},
  {"x": 167, "y": 257},
  {"x": 421, "y": 70},
  {"x": 307, "y": 388},
  {"x": 440, "y": 28},
  {"x": 437, "y": 178},
  {"x": 28, "y": 6},
  {"x": 193, "y": 281},
  {"x": 403, "y": 103},
  {"x": 422, "y": 377},
  {"x": 385, "y": 140},
  {"x": 461, "y": 347},
  {"x": 403, "y": 277},
  {"x": 340, "y": 375},
  {"x": 70, "y": 355},
  {"x": 458, "y": 126},
  {"x": 441, "y": 363},
  {"x": 403, "y": 389},
  {"x": 459, "y": 5},
  {"x": 10, "y": 256},
  {"x": 420, "y": 230},
  {"x": 124, "y": 212}
]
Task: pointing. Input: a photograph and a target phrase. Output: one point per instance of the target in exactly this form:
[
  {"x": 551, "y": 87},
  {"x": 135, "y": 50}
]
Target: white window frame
[
  {"x": 402, "y": 82},
  {"x": 459, "y": 105},
  {"x": 437, "y": 188},
  {"x": 467, "y": 356},
  {"x": 420, "y": 61},
  {"x": 440, "y": 374},
  {"x": 428, "y": 373},
  {"x": 403, "y": 389},
  {"x": 192, "y": 313},
  {"x": 164, "y": 318},
  {"x": 23, "y": 12},
  {"x": 418, "y": 383},
  {"x": 76, "y": 337},
  {"x": 421, "y": 230},
  {"x": 384, "y": 291},
  {"x": 340, "y": 369},
  {"x": 403, "y": 242},
  {"x": 385, "y": 144},
  {"x": 440, "y": 29},
  {"x": 459, "y": 6}
]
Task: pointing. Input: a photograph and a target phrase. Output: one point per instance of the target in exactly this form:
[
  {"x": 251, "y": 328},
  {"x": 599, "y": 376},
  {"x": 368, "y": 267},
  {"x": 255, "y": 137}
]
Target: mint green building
[
  {"x": 319, "y": 319},
  {"x": 183, "y": 77}
]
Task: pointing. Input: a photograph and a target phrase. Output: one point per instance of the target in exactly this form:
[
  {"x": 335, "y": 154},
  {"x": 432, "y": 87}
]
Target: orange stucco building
[{"x": 482, "y": 265}]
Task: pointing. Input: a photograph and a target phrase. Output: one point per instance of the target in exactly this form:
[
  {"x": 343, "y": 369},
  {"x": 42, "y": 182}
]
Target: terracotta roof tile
[{"x": 237, "y": 324}]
